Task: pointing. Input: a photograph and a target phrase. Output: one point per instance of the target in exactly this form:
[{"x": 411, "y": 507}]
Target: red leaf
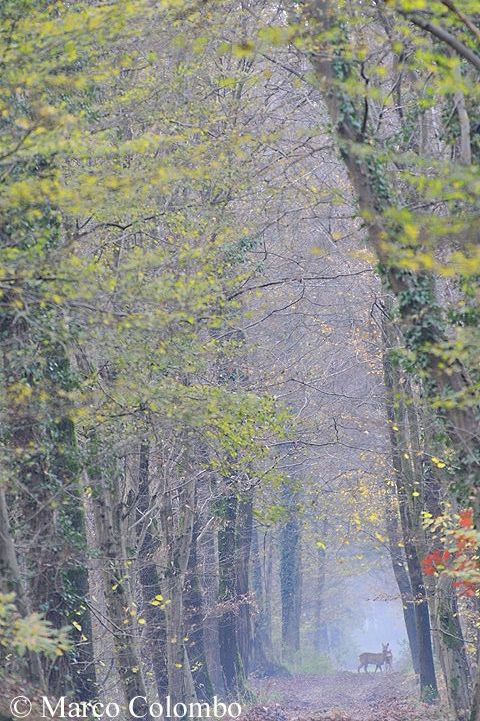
[{"x": 466, "y": 518}]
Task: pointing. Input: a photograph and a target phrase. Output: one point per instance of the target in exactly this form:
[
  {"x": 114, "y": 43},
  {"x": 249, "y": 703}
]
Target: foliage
[
  {"x": 30, "y": 633},
  {"x": 458, "y": 555},
  {"x": 137, "y": 177}
]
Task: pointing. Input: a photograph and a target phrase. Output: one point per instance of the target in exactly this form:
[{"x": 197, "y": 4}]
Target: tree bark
[
  {"x": 11, "y": 581},
  {"x": 403, "y": 582},
  {"x": 264, "y": 663},
  {"x": 45, "y": 474},
  {"x": 194, "y": 621},
  {"x": 428, "y": 683},
  {"x": 475, "y": 710},
  {"x": 230, "y": 655},
  {"x": 453, "y": 656},
  {"x": 148, "y": 576},
  {"x": 243, "y": 543},
  {"x": 464, "y": 121},
  {"x": 210, "y": 584},
  {"x": 290, "y": 576},
  {"x": 448, "y": 632},
  {"x": 109, "y": 532},
  {"x": 177, "y": 528},
  {"x": 320, "y": 639}
]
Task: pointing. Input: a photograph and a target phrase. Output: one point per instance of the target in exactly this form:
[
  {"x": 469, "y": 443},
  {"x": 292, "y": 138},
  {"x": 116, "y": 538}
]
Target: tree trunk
[
  {"x": 230, "y": 655},
  {"x": 243, "y": 543},
  {"x": 320, "y": 638},
  {"x": 43, "y": 457},
  {"x": 475, "y": 710},
  {"x": 290, "y": 577},
  {"x": 403, "y": 582},
  {"x": 428, "y": 683},
  {"x": 11, "y": 581},
  {"x": 210, "y": 584},
  {"x": 148, "y": 576},
  {"x": 76, "y": 585},
  {"x": 453, "y": 655},
  {"x": 194, "y": 620},
  {"x": 109, "y": 533},
  {"x": 448, "y": 632},
  {"x": 10, "y": 578},
  {"x": 177, "y": 511},
  {"x": 264, "y": 663},
  {"x": 176, "y": 652}
]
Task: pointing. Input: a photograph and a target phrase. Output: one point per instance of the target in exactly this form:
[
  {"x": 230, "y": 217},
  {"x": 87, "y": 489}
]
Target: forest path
[{"x": 344, "y": 696}]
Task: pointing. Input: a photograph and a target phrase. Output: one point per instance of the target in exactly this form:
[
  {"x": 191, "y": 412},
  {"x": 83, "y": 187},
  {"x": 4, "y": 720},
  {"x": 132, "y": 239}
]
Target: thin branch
[
  {"x": 464, "y": 18},
  {"x": 446, "y": 37},
  {"x": 300, "y": 279},
  {"x": 18, "y": 145}
]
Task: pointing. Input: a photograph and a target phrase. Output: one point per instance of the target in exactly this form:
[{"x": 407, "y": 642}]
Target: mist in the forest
[
  {"x": 379, "y": 621},
  {"x": 239, "y": 386}
]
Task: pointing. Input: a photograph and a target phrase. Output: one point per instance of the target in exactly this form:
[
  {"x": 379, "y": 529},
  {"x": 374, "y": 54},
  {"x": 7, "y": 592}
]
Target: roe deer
[{"x": 375, "y": 658}]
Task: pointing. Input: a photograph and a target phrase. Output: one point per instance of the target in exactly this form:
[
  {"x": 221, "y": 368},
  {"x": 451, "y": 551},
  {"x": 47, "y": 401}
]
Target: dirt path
[{"x": 341, "y": 697}]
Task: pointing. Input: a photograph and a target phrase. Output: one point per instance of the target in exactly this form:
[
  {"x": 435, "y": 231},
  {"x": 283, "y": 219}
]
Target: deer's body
[
  {"x": 377, "y": 659},
  {"x": 389, "y": 661}
]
